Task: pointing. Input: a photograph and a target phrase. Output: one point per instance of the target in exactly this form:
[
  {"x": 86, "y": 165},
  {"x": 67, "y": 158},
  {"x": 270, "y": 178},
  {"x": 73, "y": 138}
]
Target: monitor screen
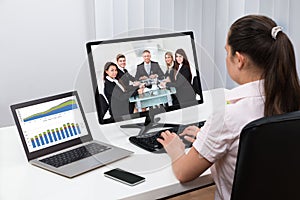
[
  {"x": 143, "y": 76},
  {"x": 51, "y": 122}
]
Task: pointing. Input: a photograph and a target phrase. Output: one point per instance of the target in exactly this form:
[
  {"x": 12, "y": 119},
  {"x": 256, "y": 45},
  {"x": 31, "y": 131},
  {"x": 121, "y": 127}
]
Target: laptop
[{"x": 56, "y": 137}]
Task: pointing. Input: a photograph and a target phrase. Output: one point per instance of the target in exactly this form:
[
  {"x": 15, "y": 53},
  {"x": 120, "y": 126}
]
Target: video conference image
[{"x": 148, "y": 73}]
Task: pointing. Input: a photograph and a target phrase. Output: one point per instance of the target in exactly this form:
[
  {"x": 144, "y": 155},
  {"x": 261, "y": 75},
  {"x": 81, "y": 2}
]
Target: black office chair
[{"x": 268, "y": 162}]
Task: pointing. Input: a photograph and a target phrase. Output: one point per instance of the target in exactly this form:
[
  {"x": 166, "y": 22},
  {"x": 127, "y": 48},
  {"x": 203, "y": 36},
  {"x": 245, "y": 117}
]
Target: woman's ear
[{"x": 241, "y": 59}]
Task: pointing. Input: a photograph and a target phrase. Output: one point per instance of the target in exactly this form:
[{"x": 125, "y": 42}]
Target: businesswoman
[
  {"x": 261, "y": 59},
  {"x": 181, "y": 78},
  {"x": 169, "y": 59},
  {"x": 117, "y": 93}
]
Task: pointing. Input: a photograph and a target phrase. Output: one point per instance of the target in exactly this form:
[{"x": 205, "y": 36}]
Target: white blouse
[
  {"x": 218, "y": 139},
  {"x": 117, "y": 82}
]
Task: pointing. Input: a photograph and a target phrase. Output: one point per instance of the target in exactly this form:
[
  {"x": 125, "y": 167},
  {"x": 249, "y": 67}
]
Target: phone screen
[{"x": 124, "y": 176}]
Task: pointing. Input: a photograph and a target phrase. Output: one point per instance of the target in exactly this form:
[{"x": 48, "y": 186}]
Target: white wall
[
  {"x": 42, "y": 43},
  {"x": 42, "y": 48}
]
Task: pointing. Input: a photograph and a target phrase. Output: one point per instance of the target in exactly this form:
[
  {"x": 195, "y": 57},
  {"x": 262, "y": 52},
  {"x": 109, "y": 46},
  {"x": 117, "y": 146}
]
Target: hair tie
[{"x": 275, "y": 30}]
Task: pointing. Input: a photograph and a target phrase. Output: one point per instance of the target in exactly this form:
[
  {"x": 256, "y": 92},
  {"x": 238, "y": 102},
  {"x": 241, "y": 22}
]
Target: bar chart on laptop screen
[{"x": 51, "y": 123}]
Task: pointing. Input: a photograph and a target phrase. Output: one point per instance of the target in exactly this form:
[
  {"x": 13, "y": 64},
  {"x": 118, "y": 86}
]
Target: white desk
[{"x": 20, "y": 180}]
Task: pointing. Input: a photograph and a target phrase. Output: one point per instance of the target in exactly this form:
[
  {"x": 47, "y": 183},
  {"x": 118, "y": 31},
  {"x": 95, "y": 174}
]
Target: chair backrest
[{"x": 268, "y": 164}]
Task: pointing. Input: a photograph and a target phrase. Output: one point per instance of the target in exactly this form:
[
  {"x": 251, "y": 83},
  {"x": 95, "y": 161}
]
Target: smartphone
[{"x": 124, "y": 176}]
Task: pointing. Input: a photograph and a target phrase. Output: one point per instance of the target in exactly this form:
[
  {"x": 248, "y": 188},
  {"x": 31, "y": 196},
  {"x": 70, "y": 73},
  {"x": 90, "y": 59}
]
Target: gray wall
[{"x": 42, "y": 43}]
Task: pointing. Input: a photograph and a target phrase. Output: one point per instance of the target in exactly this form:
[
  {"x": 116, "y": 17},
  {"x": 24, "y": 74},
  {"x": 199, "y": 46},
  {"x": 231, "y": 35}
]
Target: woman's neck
[{"x": 249, "y": 75}]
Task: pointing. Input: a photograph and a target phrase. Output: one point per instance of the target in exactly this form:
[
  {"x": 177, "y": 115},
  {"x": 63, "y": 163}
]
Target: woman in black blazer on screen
[
  {"x": 118, "y": 94},
  {"x": 181, "y": 78}
]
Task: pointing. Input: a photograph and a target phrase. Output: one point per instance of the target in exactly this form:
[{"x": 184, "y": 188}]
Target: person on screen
[
  {"x": 148, "y": 68},
  {"x": 181, "y": 78},
  {"x": 123, "y": 73},
  {"x": 169, "y": 64},
  {"x": 116, "y": 92},
  {"x": 261, "y": 59}
]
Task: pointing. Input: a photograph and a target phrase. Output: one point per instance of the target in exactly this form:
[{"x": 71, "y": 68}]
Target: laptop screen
[{"x": 50, "y": 121}]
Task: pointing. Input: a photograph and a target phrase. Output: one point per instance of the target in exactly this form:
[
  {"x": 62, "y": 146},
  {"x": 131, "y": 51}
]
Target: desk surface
[{"x": 20, "y": 180}]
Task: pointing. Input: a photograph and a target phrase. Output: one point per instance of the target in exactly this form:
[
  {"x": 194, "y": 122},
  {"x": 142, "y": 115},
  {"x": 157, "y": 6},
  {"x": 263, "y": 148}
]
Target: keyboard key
[{"x": 75, "y": 154}]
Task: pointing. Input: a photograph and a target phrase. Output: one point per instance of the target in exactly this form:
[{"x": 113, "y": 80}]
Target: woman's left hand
[{"x": 190, "y": 133}]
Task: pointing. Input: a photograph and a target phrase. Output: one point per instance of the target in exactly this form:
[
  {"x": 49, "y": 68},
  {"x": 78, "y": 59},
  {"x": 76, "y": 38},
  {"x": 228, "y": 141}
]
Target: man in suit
[
  {"x": 148, "y": 68},
  {"x": 123, "y": 74},
  {"x": 125, "y": 78}
]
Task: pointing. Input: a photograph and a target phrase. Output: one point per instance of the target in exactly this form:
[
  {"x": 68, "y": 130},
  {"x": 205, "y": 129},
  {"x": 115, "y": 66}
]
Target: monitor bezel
[{"x": 129, "y": 39}]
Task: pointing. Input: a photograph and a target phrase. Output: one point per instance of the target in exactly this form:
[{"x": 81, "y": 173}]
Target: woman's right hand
[{"x": 190, "y": 133}]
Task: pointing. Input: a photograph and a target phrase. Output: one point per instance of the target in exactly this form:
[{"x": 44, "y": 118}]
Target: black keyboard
[
  {"x": 74, "y": 154},
  {"x": 148, "y": 141}
]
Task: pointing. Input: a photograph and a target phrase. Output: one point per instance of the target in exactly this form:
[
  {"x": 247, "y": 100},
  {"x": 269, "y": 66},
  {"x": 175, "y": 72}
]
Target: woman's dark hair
[
  {"x": 185, "y": 61},
  {"x": 106, "y": 67},
  {"x": 251, "y": 35}
]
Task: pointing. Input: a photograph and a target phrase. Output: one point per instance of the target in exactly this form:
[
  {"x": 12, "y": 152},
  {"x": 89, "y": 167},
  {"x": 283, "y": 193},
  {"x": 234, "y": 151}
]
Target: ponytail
[{"x": 281, "y": 81}]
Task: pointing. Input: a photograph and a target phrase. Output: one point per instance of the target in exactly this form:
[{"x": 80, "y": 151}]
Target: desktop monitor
[{"x": 162, "y": 90}]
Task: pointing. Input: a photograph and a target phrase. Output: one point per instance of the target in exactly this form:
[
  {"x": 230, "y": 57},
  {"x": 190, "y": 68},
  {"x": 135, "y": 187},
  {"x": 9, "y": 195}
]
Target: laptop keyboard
[
  {"x": 75, "y": 154},
  {"x": 148, "y": 141}
]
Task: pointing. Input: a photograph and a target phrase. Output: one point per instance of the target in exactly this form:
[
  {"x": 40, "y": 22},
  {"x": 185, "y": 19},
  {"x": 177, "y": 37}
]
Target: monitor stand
[{"x": 150, "y": 122}]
